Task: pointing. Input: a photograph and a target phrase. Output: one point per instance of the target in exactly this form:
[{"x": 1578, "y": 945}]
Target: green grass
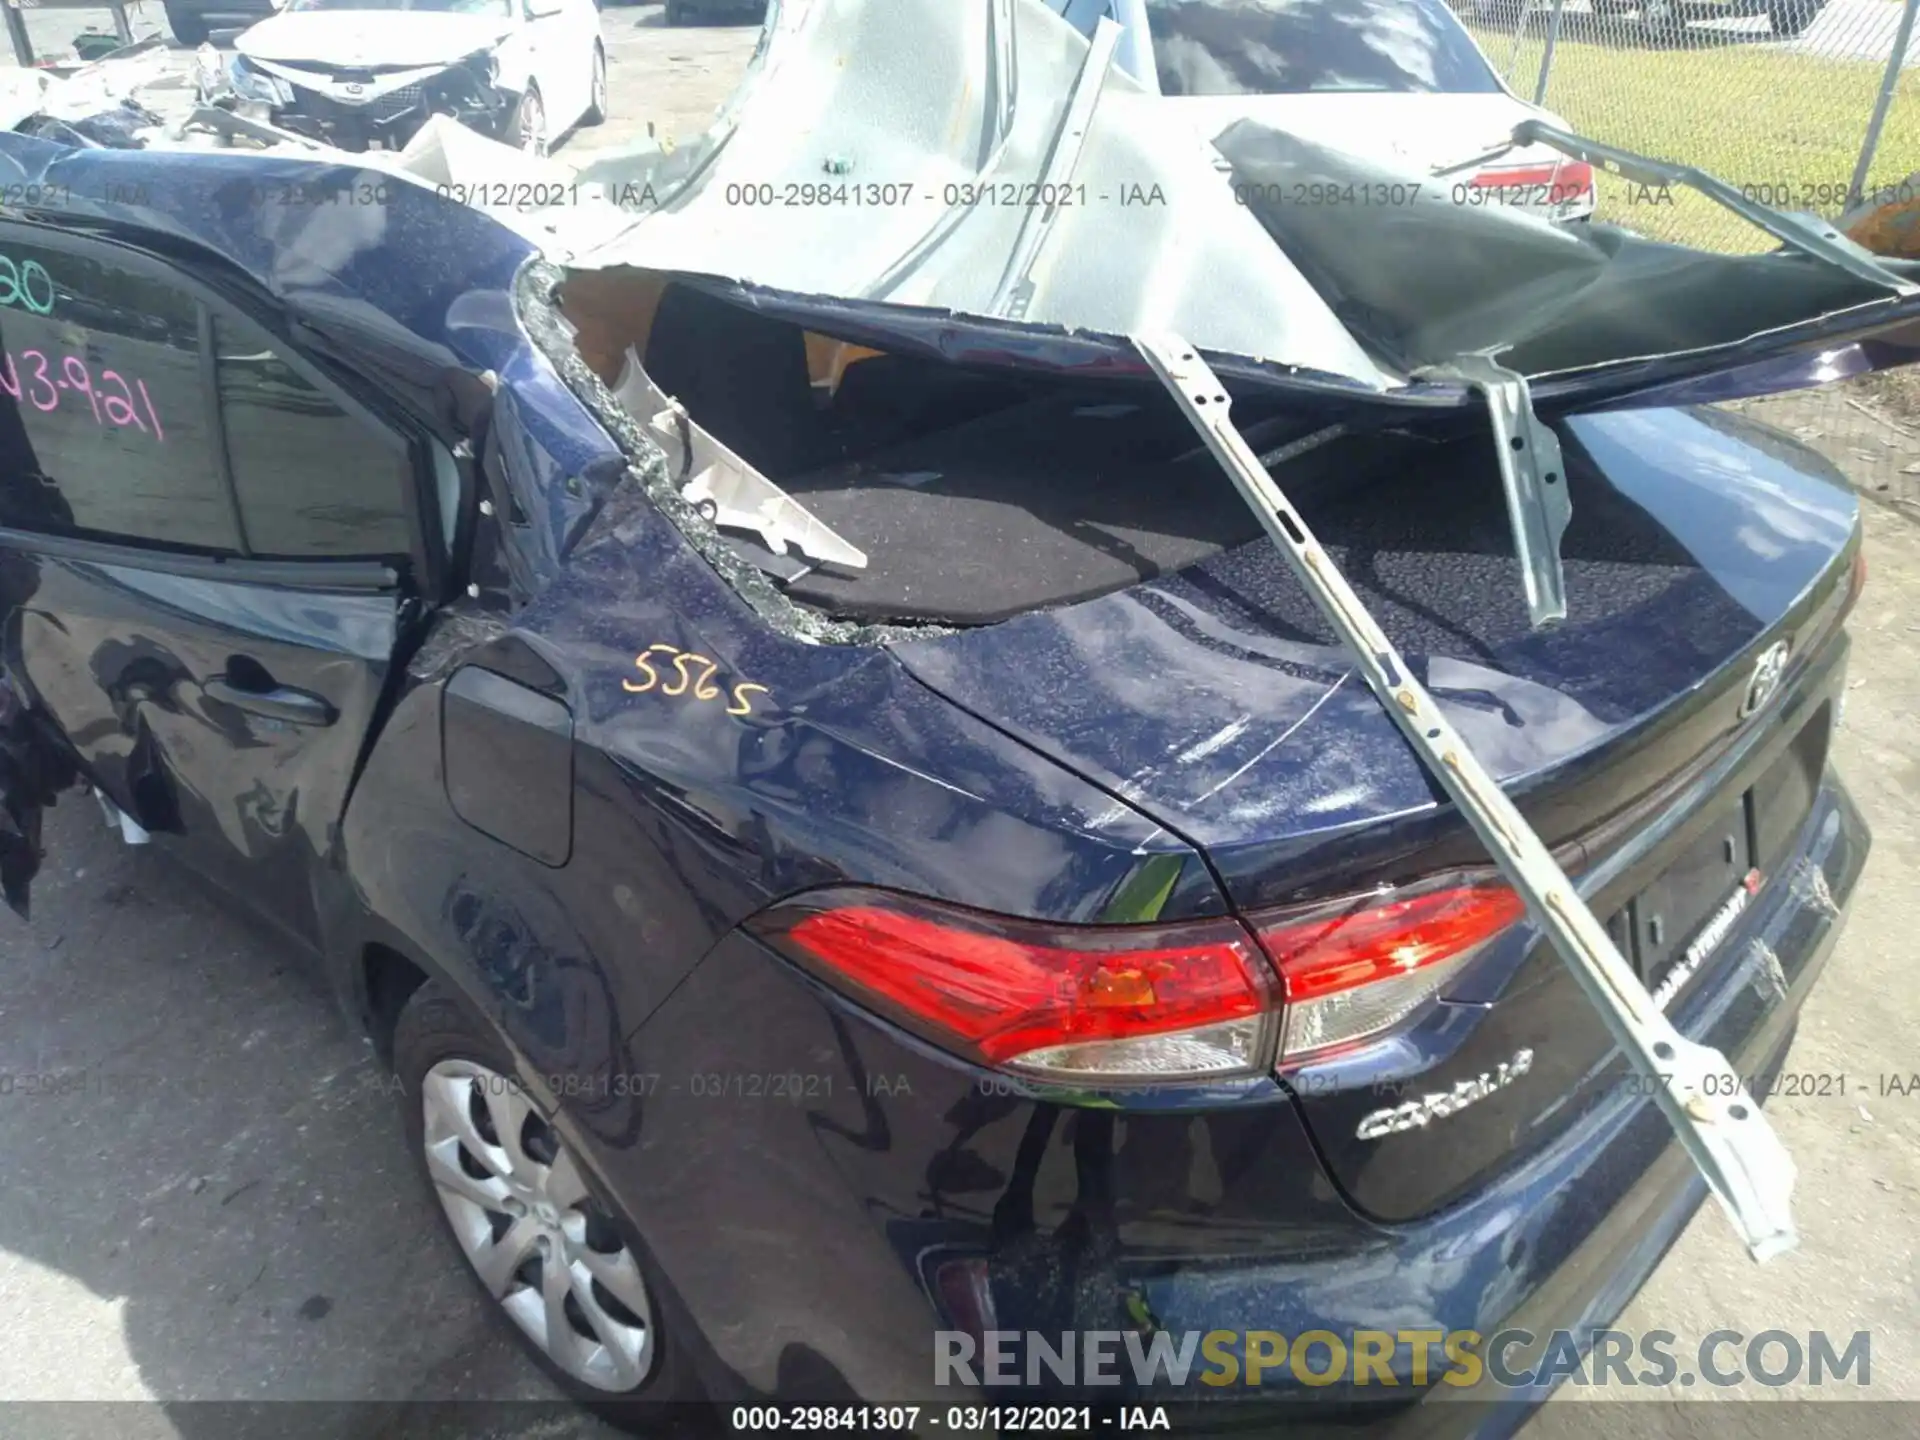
[{"x": 1786, "y": 128}]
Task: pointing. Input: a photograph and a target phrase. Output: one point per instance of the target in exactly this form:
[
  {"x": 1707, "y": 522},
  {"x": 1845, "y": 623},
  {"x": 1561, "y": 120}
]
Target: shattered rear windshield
[{"x": 1297, "y": 47}]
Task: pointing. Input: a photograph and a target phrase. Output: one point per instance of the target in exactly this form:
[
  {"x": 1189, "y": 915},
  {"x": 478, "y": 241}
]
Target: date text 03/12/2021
[{"x": 965, "y": 1420}]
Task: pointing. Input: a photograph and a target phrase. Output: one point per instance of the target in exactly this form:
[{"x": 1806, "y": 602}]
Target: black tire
[
  {"x": 435, "y": 1026},
  {"x": 189, "y": 26},
  {"x": 1789, "y": 17},
  {"x": 597, "y": 111}
]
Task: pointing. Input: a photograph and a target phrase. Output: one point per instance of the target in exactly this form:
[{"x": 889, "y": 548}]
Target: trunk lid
[{"x": 1215, "y": 701}]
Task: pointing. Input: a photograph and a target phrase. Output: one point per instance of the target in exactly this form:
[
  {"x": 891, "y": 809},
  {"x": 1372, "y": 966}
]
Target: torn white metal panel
[
  {"x": 87, "y": 90},
  {"x": 829, "y": 176},
  {"x": 23, "y": 93},
  {"x": 105, "y": 82},
  {"x": 897, "y": 150},
  {"x": 1060, "y": 175},
  {"x": 723, "y": 487},
  {"x": 516, "y": 188},
  {"x": 445, "y": 152}
]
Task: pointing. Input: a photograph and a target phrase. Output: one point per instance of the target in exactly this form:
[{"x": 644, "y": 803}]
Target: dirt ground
[
  {"x": 1869, "y": 427},
  {"x": 1858, "y": 1152}
]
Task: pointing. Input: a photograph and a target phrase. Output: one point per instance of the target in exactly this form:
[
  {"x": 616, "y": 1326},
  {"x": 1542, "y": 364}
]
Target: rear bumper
[
  {"x": 803, "y": 1172},
  {"x": 1565, "y": 1242}
]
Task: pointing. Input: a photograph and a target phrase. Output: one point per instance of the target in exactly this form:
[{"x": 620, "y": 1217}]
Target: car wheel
[
  {"x": 189, "y": 26},
  {"x": 597, "y": 104},
  {"x": 1790, "y": 17},
  {"x": 530, "y": 122},
  {"x": 555, "y": 1258}
]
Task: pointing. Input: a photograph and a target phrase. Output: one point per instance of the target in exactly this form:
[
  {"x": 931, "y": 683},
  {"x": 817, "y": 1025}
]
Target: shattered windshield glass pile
[{"x": 1300, "y": 47}]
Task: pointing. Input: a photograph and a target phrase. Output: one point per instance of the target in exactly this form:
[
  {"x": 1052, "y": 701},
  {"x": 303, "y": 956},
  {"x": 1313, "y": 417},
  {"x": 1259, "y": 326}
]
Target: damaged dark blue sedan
[{"x": 849, "y": 833}]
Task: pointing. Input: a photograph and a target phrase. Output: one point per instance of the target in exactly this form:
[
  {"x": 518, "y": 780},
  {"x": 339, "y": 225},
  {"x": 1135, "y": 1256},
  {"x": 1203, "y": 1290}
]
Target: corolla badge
[
  {"x": 354, "y": 88},
  {"x": 1767, "y": 671},
  {"x": 1437, "y": 1104}
]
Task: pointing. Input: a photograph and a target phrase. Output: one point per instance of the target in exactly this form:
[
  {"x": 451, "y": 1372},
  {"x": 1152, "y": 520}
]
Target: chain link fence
[{"x": 1807, "y": 105}]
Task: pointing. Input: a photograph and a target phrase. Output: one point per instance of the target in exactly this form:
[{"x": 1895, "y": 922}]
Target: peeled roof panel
[
  {"x": 922, "y": 95},
  {"x": 822, "y": 191}
]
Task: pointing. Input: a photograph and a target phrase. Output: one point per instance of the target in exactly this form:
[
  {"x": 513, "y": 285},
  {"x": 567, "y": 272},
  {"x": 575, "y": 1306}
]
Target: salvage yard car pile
[{"x": 1279, "y": 731}]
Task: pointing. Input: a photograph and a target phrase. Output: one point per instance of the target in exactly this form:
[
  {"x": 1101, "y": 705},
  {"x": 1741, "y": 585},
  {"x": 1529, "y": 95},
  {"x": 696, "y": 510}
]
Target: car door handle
[{"x": 295, "y": 707}]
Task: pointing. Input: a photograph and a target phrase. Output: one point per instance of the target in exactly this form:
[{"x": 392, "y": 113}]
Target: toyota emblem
[{"x": 1767, "y": 671}]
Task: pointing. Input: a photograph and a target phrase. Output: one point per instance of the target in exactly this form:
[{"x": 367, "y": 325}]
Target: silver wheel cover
[{"x": 544, "y": 1249}]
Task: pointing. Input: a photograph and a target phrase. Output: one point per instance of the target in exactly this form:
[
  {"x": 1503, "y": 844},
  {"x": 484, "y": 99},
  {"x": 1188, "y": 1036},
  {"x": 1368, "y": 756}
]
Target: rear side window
[
  {"x": 312, "y": 480},
  {"x": 105, "y": 428}
]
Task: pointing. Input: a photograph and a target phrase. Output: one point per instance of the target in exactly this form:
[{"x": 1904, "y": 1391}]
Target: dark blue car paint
[
  {"x": 987, "y": 768},
  {"x": 1268, "y": 726},
  {"x": 1220, "y": 1218}
]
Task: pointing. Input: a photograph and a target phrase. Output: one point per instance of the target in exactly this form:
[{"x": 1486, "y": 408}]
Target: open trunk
[
  {"x": 979, "y": 493},
  {"x": 1082, "y": 574},
  {"x": 1071, "y": 566}
]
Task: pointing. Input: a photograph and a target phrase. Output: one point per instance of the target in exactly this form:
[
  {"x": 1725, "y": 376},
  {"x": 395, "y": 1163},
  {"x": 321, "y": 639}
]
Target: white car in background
[
  {"x": 361, "y": 73},
  {"x": 1397, "y": 81}
]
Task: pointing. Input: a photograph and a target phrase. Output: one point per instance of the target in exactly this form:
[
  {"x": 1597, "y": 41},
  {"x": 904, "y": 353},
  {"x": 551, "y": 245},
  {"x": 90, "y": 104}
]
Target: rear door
[
  {"x": 201, "y": 547},
  {"x": 557, "y": 53}
]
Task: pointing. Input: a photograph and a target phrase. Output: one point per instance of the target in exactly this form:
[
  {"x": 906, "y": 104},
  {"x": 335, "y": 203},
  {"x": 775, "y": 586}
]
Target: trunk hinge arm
[
  {"x": 1015, "y": 292},
  {"x": 1531, "y": 472},
  {"x": 1717, "y": 1121}
]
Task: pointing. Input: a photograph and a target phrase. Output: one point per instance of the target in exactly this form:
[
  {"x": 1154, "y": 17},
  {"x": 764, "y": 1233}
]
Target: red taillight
[
  {"x": 1059, "y": 999},
  {"x": 1326, "y": 955},
  {"x": 1551, "y": 184},
  {"x": 1138, "y": 1002},
  {"x": 1348, "y": 972},
  {"x": 1514, "y": 175},
  {"x": 965, "y": 1288}
]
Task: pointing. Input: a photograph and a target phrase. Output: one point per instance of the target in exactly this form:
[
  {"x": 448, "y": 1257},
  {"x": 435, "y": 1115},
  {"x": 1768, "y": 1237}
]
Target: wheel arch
[{"x": 388, "y": 979}]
